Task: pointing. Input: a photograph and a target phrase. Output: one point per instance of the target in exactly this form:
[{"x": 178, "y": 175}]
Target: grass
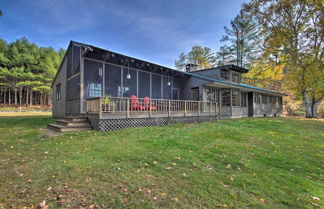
[{"x": 238, "y": 163}]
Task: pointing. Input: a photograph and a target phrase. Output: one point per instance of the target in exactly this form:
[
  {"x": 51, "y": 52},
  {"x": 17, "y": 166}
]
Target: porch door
[{"x": 250, "y": 104}]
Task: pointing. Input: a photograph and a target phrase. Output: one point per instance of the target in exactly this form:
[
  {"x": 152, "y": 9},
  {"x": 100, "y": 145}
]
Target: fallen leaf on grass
[
  {"x": 232, "y": 179},
  {"x": 176, "y": 199},
  {"x": 315, "y": 198},
  {"x": 228, "y": 166},
  {"x": 168, "y": 168},
  {"x": 254, "y": 174},
  {"x": 92, "y": 206},
  {"x": 316, "y": 205},
  {"x": 262, "y": 200},
  {"x": 163, "y": 194}
]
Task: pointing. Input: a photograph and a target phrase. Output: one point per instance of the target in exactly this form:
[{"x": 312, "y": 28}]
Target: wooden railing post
[
  {"x": 198, "y": 108},
  {"x": 185, "y": 107},
  {"x": 210, "y": 107},
  {"x": 127, "y": 108},
  {"x": 169, "y": 108},
  {"x": 150, "y": 108},
  {"x": 100, "y": 107}
]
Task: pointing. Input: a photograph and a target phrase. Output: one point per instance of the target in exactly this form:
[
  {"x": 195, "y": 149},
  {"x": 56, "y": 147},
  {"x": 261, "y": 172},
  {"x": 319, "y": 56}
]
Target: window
[
  {"x": 243, "y": 99},
  {"x": 264, "y": 99},
  {"x": 226, "y": 97},
  {"x": 195, "y": 94},
  {"x": 257, "y": 99},
  {"x": 235, "y": 77},
  {"x": 280, "y": 101},
  {"x": 212, "y": 95},
  {"x": 58, "y": 91},
  {"x": 93, "y": 72},
  {"x": 225, "y": 74},
  {"x": 236, "y": 98},
  {"x": 94, "y": 90},
  {"x": 113, "y": 81},
  {"x": 143, "y": 84},
  {"x": 156, "y": 87}
]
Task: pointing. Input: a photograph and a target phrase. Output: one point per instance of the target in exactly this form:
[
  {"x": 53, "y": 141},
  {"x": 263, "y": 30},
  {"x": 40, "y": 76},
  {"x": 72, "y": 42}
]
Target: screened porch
[{"x": 133, "y": 107}]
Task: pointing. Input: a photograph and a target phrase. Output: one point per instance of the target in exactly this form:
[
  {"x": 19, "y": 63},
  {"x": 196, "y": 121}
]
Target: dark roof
[
  {"x": 173, "y": 72},
  {"x": 226, "y": 67}
]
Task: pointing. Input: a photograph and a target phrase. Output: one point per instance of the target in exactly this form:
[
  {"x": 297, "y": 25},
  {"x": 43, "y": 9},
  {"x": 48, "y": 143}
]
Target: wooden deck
[{"x": 121, "y": 107}]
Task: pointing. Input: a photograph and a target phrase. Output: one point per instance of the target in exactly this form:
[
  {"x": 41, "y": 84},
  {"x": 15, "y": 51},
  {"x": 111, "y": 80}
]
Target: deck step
[
  {"x": 70, "y": 124},
  {"x": 75, "y": 119},
  {"x": 77, "y": 123},
  {"x": 61, "y": 128}
]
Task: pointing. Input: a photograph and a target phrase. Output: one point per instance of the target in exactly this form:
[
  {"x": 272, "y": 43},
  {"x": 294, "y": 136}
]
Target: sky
[{"x": 152, "y": 30}]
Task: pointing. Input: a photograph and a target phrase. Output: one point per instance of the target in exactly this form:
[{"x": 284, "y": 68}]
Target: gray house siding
[{"x": 59, "y": 105}]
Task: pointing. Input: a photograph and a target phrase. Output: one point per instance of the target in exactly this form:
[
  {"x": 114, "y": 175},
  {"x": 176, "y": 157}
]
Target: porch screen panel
[
  {"x": 176, "y": 83},
  {"x": 113, "y": 81},
  {"x": 156, "y": 87},
  {"x": 73, "y": 89},
  {"x": 129, "y": 83},
  {"x": 143, "y": 84},
  {"x": 236, "y": 98},
  {"x": 226, "y": 97},
  {"x": 166, "y": 88},
  {"x": 69, "y": 69},
  {"x": 92, "y": 79},
  {"x": 76, "y": 60}
]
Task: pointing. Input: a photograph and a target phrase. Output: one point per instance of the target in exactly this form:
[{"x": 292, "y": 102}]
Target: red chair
[
  {"x": 135, "y": 105},
  {"x": 147, "y": 104}
]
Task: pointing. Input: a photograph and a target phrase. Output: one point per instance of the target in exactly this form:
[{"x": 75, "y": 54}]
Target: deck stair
[{"x": 70, "y": 124}]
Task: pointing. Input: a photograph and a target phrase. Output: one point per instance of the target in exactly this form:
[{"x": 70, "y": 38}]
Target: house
[{"x": 114, "y": 91}]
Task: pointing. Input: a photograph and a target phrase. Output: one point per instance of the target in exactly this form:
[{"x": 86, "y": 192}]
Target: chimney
[{"x": 190, "y": 67}]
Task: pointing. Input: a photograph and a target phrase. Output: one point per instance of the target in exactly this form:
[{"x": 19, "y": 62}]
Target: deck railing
[{"x": 127, "y": 106}]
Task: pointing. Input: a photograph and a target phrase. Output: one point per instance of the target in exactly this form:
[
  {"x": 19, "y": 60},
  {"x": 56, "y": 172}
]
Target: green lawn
[{"x": 238, "y": 163}]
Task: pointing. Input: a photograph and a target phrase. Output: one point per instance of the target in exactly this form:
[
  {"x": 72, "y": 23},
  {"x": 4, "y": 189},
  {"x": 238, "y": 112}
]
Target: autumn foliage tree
[{"x": 292, "y": 34}]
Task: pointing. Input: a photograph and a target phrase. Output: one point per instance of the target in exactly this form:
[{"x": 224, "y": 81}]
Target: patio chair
[
  {"x": 135, "y": 105},
  {"x": 147, "y": 104}
]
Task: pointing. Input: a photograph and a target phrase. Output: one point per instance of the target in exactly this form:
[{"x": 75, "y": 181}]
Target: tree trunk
[
  {"x": 40, "y": 99},
  {"x": 16, "y": 96},
  {"x": 31, "y": 97},
  {"x": 27, "y": 96},
  {"x": 315, "y": 105},
  {"x": 4, "y": 96},
  {"x": 9, "y": 97},
  {"x": 307, "y": 104},
  {"x": 20, "y": 95}
]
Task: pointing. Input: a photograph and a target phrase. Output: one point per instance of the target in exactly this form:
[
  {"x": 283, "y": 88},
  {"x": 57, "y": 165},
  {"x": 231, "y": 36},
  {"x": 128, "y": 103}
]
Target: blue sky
[{"x": 156, "y": 31}]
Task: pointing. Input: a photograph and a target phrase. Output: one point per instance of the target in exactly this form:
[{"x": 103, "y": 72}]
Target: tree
[
  {"x": 242, "y": 37},
  {"x": 26, "y": 72},
  {"x": 224, "y": 55},
  {"x": 293, "y": 32},
  {"x": 201, "y": 56}
]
